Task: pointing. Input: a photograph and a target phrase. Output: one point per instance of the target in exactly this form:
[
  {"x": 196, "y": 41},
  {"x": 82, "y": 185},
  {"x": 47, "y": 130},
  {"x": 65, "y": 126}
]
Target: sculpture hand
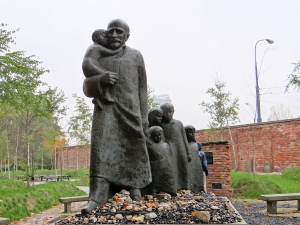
[
  {"x": 109, "y": 78},
  {"x": 189, "y": 158}
]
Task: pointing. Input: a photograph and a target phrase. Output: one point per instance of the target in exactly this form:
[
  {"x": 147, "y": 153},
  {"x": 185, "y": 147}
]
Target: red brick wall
[
  {"x": 219, "y": 172},
  {"x": 269, "y": 147},
  {"x": 73, "y": 154}
]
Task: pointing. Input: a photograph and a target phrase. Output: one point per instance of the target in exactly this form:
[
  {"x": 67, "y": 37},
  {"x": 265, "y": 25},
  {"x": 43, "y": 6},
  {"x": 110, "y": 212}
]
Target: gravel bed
[
  {"x": 250, "y": 211},
  {"x": 184, "y": 208}
]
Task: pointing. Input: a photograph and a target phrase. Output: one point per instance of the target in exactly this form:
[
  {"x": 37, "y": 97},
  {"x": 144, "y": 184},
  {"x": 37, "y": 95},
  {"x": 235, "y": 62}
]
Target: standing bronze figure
[{"x": 119, "y": 157}]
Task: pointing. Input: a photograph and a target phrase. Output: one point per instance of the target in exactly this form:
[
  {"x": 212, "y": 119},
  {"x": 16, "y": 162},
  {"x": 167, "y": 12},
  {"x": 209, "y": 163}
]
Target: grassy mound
[
  {"x": 85, "y": 181},
  {"x": 246, "y": 186},
  {"x": 292, "y": 174},
  {"x": 17, "y": 201}
]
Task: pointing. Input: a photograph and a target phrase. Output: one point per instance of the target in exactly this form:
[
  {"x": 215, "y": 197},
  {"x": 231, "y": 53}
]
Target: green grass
[
  {"x": 75, "y": 174},
  {"x": 17, "y": 201},
  {"x": 292, "y": 174},
  {"x": 85, "y": 181},
  {"x": 245, "y": 185}
]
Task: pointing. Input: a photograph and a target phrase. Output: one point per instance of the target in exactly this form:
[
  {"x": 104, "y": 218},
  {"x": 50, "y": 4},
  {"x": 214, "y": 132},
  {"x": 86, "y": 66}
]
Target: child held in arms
[
  {"x": 161, "y": 163},
  {"x": 90, "y": 64}
]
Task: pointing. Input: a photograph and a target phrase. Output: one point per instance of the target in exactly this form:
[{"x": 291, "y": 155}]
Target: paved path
[
  {"x": 84, "y": 188},
  {"x": 48, "y": 217}
]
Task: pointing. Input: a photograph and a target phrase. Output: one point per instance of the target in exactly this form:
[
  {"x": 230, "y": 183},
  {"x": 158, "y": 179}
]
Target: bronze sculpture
[
  {"x": 175, "y": 136},
  {"x": 160, "y": 155},
  {"x": 195, "y": 166},
  {"x": 119, "y": 157}
]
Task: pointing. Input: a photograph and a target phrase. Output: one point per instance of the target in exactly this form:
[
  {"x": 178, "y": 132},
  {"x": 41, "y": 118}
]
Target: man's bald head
[
  {"x": 118, "y": 33},
  {"x": 119, "y": 23}
]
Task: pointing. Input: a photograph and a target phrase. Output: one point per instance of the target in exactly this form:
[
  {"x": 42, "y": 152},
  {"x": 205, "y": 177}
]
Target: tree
[
  {"x": 279, "y": 112},
  {"x": 22, "y": 89},
  {"x": 53, "y": 144},
  {"x": 151, "y": 103},
  {"x": 80, "y": 125},
  {"x": 222, "y": 110},
  {"x": 294, "y": 78}
]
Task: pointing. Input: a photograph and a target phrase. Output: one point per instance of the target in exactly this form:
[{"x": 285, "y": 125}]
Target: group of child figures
[{"x": 176, "y": 160}]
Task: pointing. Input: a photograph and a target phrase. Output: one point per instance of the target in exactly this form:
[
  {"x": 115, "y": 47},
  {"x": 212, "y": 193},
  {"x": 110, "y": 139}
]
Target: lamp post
[{"x": 270, "y": 41}]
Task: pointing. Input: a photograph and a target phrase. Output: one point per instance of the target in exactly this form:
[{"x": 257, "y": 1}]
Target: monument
[
  {"x": 195, "y": 166},
  {"x": 115, "y": 77},
  {"x": 176, "y": 138},
  {"x": 162, "y": 168},
  {"x": 119, "y": 157}
]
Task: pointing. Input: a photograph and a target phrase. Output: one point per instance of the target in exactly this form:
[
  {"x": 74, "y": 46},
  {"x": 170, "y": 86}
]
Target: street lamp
[{"x": 270, "y": 41}]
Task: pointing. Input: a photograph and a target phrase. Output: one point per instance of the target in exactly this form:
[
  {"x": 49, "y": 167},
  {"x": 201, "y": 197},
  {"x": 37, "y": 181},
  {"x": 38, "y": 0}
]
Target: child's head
[
  {"x": 168, "y": 111},
  {"x": 99, "y": 36},
  {"x": 155, "y": 134},
  {"x": 155, "y": 116},
  {"x": 190, "y": 133}
]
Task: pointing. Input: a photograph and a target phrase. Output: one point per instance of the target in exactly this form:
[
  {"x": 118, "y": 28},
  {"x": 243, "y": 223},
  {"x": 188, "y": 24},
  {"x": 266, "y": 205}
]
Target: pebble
[
  {"x": 119, "y": 216},
  {"x": 203, "y": 216},
  {"x": 185, "y": 208},
  {"x": 150, "y": 216}
]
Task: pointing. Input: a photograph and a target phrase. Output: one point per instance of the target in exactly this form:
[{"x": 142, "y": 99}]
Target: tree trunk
[
  {"x": 7, "y": 149},
  {"x": 62, "y": 155},
  {"x": 16, "y": 150},
  {"x": 27, "y": 140},
  {"x": 55, "y": 165},
  {"x": 32, "y": 168},
  {"x": 42, "y": 163},
  {"x": 86, "y": 159},
  {"x": 234, "y": 156},
  {"x": 77, "y": 159},
  {"x": 51, "y": 161}
]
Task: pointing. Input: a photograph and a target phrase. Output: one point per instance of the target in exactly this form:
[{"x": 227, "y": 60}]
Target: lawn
[
  {"x": 18, "y": 201},
  {"x": 75, "y": 174},
  {"x": 247, "y": 185}
]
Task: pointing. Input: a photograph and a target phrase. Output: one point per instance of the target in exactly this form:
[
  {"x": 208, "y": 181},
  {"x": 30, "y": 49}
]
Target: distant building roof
[{"x": 163, "y": 98}]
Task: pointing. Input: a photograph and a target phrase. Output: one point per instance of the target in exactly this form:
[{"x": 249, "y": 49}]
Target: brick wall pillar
[{"x": 219, "y": 166}]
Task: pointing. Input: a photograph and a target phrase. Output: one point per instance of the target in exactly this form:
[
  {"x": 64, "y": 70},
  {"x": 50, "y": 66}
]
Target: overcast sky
[{"x": 186, "y": 45}]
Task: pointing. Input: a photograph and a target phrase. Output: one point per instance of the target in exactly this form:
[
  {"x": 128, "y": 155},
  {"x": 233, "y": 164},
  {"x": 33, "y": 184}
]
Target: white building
[{"x": 163, "y": 98}]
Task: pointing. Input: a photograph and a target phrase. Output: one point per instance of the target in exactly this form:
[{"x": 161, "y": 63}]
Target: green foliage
[
  {"x": 18, "y": 201},
  {"x": 294, "y": 78},
  {"x": 23, "y": 92},
  {"x": 292, "y": 174},
  {"x": 150, "y": 96},
  {"x": 80, "y": 124},
  {"x": 19, "y": 74},
  {"x": 222, "y": 110}
]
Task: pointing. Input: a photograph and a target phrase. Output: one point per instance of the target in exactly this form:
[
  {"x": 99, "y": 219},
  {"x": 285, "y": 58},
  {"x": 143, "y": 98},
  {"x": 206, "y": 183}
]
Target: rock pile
[{"x": 185, "y": 208}]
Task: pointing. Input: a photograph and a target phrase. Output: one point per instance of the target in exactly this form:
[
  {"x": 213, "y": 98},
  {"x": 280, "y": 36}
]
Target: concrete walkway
[{"x": 84, "y": 188}]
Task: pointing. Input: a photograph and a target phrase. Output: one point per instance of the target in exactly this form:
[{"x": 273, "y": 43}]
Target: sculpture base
[{"x": 185, "y": 208}]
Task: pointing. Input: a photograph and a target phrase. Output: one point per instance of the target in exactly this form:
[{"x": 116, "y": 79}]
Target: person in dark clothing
[{"x": 204, "y": 164}]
